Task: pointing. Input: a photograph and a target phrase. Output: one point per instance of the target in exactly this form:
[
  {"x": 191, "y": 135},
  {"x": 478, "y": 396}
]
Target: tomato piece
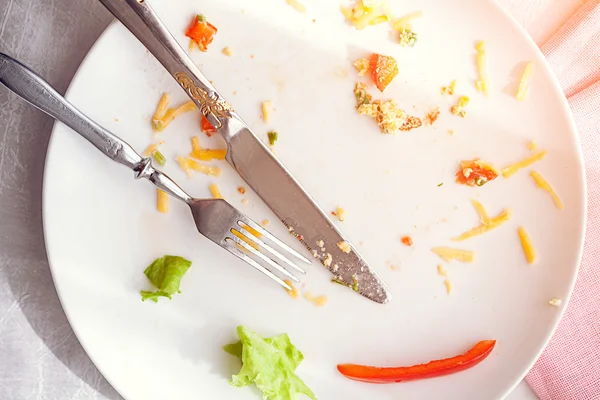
[
  {"x": 201, "y": 32},
  {"x": 207, "y": 127},
  {"x": 475, "y": 174},
  {"x": 406, "y": 240},
  {"x": 383, "y": 70},
  {"x": 430, "y": 370}
]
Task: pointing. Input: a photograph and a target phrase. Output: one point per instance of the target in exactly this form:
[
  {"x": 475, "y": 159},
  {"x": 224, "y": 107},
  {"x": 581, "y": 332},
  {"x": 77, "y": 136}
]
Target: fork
[{"x": 215, "y": 218}]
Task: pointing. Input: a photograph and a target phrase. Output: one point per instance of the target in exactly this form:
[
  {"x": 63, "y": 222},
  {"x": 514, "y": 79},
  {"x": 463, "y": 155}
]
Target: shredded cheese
[
  {"x": 448, "y": 254},
  {"x": 543, "y": 184},
  {"x": 162, "y": 201},
  {"x": 318, "y": 301},
  {"x": 213, "y": 171},
  {"x": 514, "y": 168},
  {"x": 209, "y": 154},
  {"x": 161, "y": 123},
  {"x": 196, "y": 143},
  {"x": 163, "y": 103},
  {"x": 523, "y": 89},
  {"x": 504, "y": 216},
  {"x": 483, "y": 84},
  {"x": 528, "y": 248},
  {"x": 296, "y": 5},
  {"x": 449, "y": 286},
  {"x": 245, "y": 239},
  {"x": 294, "y": 292},
  {"x": 214, "y": 190},
  {"x": 149, "y": 150},
  {"x": 184, "y": 164},
  {"x": 266, "y": 110},
  {"x": 483, "y": 215},
  {"x": 404, "y": 23},
  {"x": 366, "y": 12},
  {"x": 442, "y": 271}
]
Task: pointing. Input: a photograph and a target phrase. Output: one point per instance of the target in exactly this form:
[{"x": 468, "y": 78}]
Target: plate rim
[{"x": 555, "y": 87}]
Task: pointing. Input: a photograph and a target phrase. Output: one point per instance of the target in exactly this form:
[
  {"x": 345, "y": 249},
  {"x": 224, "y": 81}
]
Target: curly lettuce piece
[
  {"x": 165, "y": 273},
  {"x": 269, "y": 364}
]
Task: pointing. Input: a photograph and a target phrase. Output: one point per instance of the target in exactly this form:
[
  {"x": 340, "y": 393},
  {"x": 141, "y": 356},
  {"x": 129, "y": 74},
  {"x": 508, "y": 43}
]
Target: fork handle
[{"x": 35, "y": 90}]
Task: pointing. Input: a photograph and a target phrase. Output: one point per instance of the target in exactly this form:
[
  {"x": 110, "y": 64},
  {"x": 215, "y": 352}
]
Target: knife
[{"x": 251, "y": 158}]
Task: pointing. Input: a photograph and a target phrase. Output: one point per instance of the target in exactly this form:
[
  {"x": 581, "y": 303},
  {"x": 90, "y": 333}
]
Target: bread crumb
[
  {"x": 345, "y": 247},
  {"x": 227, "y": 51},
  {"x": 328, "y": 260},
  {"x": 362, "y": 66},
  {"x": 244, "y": 201},
  {"x": 555, "y": 302},
  {"x": 320, "y": 243},
  {"x": 318, "y": 301}
]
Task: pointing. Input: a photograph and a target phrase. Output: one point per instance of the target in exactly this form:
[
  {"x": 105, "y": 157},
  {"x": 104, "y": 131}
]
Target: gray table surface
[{"x": 40, "y": 357}]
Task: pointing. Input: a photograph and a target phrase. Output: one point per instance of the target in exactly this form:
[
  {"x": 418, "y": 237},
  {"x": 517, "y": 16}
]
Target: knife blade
[{"x": 254, "y": 162}]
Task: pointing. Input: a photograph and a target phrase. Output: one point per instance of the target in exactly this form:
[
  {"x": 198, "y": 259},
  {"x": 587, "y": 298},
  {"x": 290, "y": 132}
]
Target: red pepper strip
[
  {"x": 207, "y": 127},
  {"x": 201, "y": 32},
  {"x": 430, "y": 370}
]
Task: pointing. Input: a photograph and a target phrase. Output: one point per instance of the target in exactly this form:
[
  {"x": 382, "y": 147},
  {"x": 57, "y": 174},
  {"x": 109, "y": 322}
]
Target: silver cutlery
[
  {"x": 215, "y": 218},
  {"x": 251, "y": 158}
]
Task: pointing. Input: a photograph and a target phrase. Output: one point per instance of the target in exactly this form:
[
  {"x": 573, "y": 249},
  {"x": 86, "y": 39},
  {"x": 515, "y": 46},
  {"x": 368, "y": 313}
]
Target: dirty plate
[{"x": 102, "y": 228}]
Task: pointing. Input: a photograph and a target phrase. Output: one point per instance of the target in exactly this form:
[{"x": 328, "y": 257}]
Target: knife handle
[{"x": 139, "y": 17}]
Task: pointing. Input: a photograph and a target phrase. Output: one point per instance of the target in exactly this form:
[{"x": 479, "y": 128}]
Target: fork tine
[
  {"x": 262, "y": 256},
  {"x": 236, "y": 252},
  {"x": 272, "y": 238},
  {"x": 271, "y": 250}
]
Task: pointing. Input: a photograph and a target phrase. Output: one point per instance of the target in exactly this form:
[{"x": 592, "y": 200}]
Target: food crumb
[
  {"x": 406, "y": 240},
  {"x": 344, "y": 246},
  {"x": 328, "y": 260},
  {"x": 411, "y": 123},
  {"x": 449, "y": 90},
  {"x": 244, "y": 201},
  {"x": 532, "y": 145},
  {"x": 318, "y": 301},
  {"x": 362, "y": 66},
  {"x": 227, "y": 51},
  {"x": 251, "y": 55},
  {"x": 442, "y": 271},
  {"x": 394, "y": 267},
  {"x": 459, "y": 108},
  {"x": 432, "y": 116},
  {"x": 449, "y": 286},
  {"x": 320, "y": 243},
  {"x": 242, "y": 190},
  {"x": 340, "y": 213},
  {"x": 265, "y": 222},
  {"x": 555, "y": 302},
  {"x": 451, "y": 131},
  {"x": 294, "y": 292},
  {"x": 116, "y": 119}
]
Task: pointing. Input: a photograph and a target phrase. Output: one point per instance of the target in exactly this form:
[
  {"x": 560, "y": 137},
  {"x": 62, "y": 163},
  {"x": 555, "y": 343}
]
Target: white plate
[{"x": 102, "y": 228}]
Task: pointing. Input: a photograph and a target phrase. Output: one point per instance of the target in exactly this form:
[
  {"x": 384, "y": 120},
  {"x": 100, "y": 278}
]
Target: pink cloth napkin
[{"x": 569, "y": 368}]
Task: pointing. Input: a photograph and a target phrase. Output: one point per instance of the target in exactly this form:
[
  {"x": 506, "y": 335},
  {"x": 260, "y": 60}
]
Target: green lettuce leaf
[
  {"x": 165, "y": 273},
  {"x": 269, "y": 364}
]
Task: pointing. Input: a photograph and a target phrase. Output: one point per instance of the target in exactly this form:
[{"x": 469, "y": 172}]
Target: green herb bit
[
  {"x": 481, "y": 181},
  {"x": 407, "y": 38},
  {"x": 440, "y": 184},
  {"x": 159, "y": 158},
  {"x": 339, "y": 282},
  {"x": 355, "y": 285},
  {"x": 273, "y": 136},
  {"x": 201, "y": 18}
]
